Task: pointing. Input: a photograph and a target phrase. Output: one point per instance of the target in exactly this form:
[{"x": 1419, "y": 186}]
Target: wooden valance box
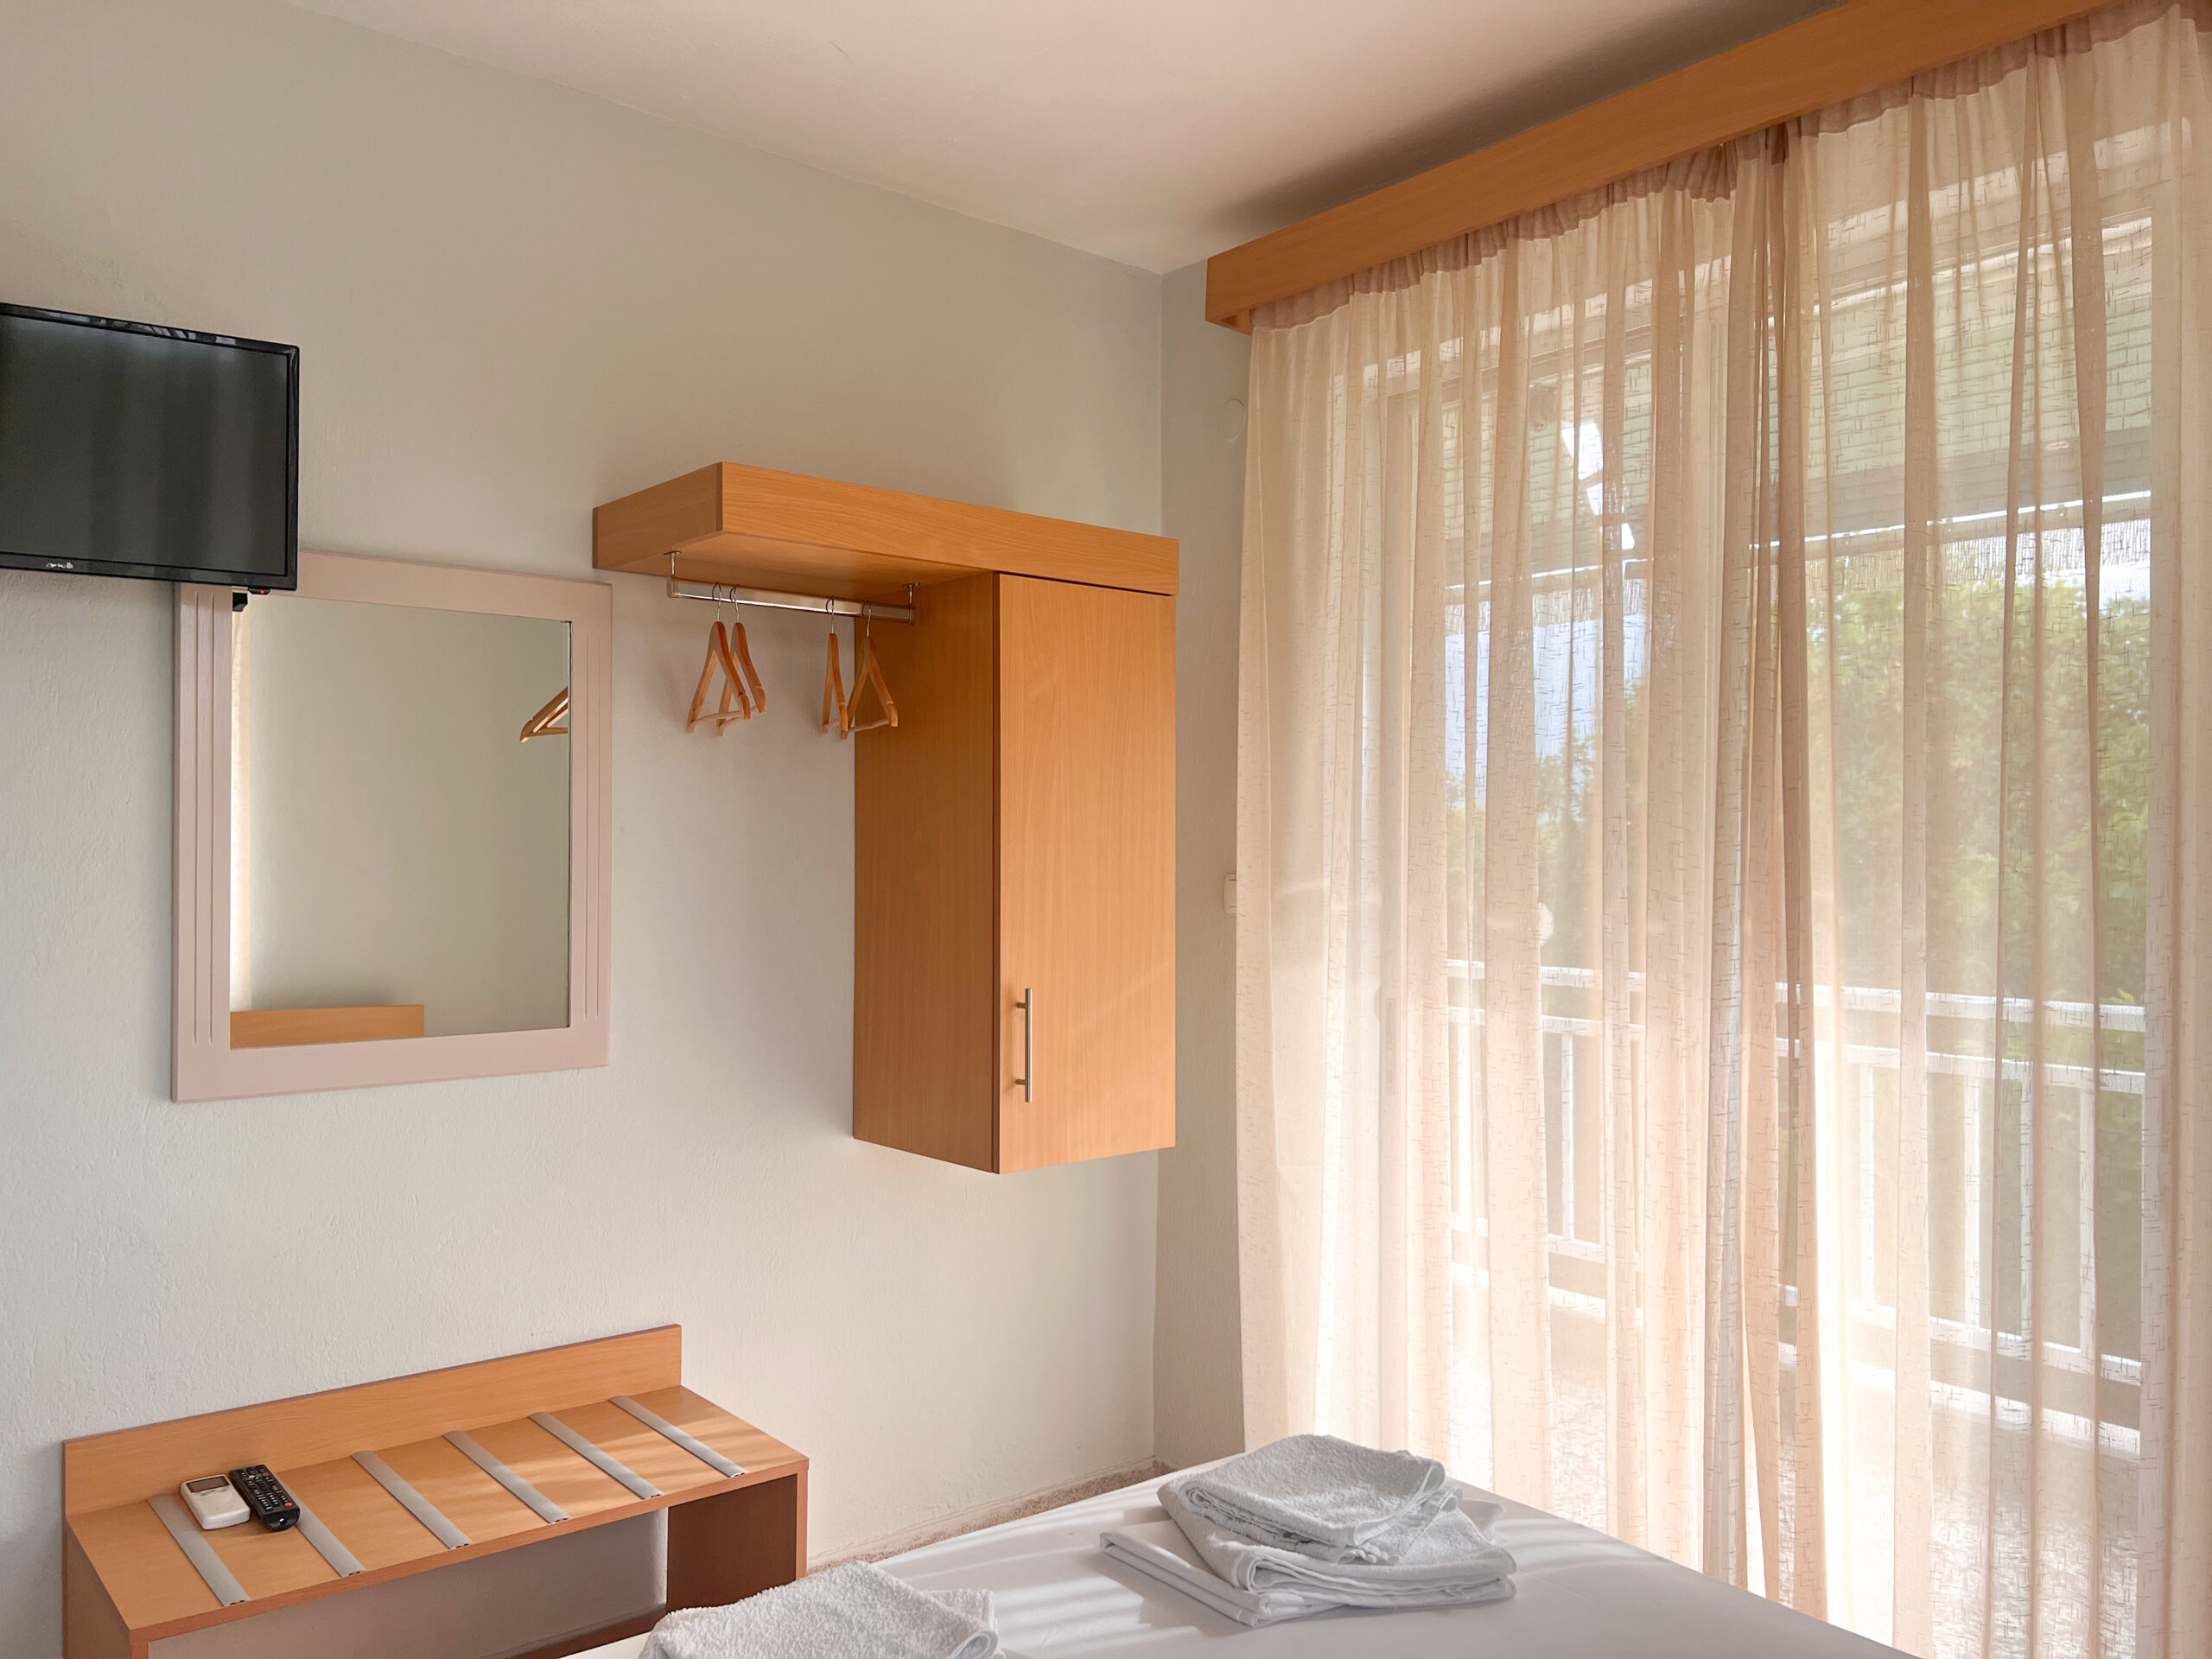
[{"x": 128, "y": 1581}]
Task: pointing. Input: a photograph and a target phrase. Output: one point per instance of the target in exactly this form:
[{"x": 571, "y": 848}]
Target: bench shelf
[{"x": 129, "y": 1583}]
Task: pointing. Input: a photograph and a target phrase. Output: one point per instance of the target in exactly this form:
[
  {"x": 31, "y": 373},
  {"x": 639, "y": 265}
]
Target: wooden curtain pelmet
[{"x": 1857, "y": 47}]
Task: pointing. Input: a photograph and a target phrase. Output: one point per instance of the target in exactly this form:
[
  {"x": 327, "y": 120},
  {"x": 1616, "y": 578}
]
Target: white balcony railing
[{"x": 1578, "y": 1242}]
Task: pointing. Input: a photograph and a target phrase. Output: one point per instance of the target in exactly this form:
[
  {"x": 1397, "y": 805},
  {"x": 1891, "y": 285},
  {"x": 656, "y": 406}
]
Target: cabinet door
[{"x": 1086, "y": 781}]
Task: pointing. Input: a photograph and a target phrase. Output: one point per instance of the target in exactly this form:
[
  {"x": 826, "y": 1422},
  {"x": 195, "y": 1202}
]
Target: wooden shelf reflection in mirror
[{"x": 275, "y": 1027}]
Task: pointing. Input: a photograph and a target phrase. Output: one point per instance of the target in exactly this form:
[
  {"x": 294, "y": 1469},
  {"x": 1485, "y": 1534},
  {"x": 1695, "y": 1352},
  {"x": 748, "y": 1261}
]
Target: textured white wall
[
  {"x": 515, "y": 302},
  {"x": 1197, "y": 1352}
]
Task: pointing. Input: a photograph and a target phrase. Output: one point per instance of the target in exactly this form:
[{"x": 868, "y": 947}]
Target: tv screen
[{"x": 131, "y": 450}]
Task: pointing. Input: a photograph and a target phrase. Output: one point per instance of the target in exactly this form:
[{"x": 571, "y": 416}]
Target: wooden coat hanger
[
  {"x": 706, "y": 678},
  {"x": 541, "y": 723},
  {"x": 735, "y": 704},
  {"x": 751, "y": 674},
  {"x": 833, "y": 692},
  {"x": 868, "y": 671},
  {"x": 737, "y": 701}
]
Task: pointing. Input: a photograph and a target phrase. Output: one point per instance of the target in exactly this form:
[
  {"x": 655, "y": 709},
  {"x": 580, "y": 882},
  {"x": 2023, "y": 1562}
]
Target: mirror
[
  {"x": 392, "y": 821},
  {"x": 400, "y": 848}
]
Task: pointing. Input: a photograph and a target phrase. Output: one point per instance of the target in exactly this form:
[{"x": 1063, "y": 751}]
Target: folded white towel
[
  {"x": 1454, "y": 1559},
  {"x": 1161, "y": 1551},
  {"x": 1323, "y": 1496},
  {"x": 856, "y": 1611}
]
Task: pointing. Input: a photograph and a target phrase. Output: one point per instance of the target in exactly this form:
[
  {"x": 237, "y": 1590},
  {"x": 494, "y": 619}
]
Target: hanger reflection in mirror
[
  {"x": 868, "y": 670},
  {"x": 541, "y": 723},
  {"x": 743, "y": 696}
]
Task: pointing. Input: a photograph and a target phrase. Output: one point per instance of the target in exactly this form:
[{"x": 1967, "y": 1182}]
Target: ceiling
[{"x": 1154, "y": 132}]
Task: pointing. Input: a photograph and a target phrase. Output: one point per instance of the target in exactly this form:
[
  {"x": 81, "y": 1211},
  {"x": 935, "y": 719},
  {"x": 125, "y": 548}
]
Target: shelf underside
[{"x": 786, "y": 567}]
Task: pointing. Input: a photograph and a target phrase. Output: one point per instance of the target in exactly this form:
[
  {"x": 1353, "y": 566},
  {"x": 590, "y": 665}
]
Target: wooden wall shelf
[
  {"x": 753, "y": 528},
  {"x": 127, "y": 1583}
]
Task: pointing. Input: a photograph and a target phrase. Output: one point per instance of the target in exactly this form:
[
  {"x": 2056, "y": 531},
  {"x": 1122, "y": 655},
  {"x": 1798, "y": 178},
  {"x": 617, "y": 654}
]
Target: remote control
[
  {"x": 265, "y": 1495},
  {"x": 214, "y": 1503}
]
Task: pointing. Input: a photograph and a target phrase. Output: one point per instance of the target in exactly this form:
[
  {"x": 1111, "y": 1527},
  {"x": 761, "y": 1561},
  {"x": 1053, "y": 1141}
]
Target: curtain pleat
[
  {"x": 1723, "y": 821},
  {"x": 2173, "y": 1547}
]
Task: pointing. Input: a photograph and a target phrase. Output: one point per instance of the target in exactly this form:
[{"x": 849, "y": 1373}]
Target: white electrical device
[{"x": 214, "y": 1503}]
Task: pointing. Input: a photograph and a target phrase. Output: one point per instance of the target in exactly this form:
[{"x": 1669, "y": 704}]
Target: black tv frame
[{"x": 258, "y": 582}]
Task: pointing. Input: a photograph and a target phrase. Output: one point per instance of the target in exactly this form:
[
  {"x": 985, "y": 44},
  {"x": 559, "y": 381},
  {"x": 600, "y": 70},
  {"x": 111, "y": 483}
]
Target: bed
[{"x": 1581, "y": 1594}]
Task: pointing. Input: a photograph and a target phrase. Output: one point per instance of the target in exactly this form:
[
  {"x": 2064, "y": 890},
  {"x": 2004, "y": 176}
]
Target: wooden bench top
[{"x": 152, "y": 1590}]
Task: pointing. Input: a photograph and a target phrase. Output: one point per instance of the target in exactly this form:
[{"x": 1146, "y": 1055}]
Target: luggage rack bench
[{"x": 418, "y": 1473}]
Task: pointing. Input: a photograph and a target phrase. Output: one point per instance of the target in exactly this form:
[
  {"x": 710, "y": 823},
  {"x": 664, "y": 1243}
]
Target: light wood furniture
[
  {"x": 209, "y": 1062},
  {"x": 128, "y": 1583},
  {"x": 1014, "y": 833},
  {"x": 280, "y": 1027},
  {"x": 1855, "y": 47},
  {"x": 755, "y": 528},
  {"x": 1015, "y": 951}
]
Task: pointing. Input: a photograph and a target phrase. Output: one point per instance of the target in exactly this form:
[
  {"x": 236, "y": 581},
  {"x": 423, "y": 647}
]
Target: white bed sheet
[{"x": 1581, "y": 1595}]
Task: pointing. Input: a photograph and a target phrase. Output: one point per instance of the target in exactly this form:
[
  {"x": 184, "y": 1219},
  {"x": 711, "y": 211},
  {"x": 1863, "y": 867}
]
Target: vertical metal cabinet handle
[{"x": 1027, "y": 1004}]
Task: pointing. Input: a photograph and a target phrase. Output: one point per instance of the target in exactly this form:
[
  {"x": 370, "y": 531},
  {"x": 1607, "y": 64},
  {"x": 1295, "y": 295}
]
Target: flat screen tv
[{"x": 128, "y": 449}]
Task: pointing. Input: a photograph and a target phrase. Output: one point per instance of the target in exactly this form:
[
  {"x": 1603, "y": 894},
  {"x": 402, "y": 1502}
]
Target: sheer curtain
[{"x": 1725, "y": 823}]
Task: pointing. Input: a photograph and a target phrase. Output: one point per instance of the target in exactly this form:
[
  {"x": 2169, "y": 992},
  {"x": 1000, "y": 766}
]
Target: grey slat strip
[
  {"x": 412, "y": 1501},
  {"x": 603, "y": 1462},
  {"x": 325, "y": 1543},
  {"x": 698, "y": 1448},
  {"x": 548, "y": 1510},
  {"x": 197, "y": 1550}
]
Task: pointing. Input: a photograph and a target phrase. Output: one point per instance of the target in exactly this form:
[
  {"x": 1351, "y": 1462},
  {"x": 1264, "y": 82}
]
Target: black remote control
[{"x": 265, "y": 1495}]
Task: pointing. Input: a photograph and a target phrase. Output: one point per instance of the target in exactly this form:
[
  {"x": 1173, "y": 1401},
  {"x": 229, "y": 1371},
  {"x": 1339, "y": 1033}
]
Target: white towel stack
[
  {"x": 856, "y": 1611},
  {"x": 1312, "y": 1523}
]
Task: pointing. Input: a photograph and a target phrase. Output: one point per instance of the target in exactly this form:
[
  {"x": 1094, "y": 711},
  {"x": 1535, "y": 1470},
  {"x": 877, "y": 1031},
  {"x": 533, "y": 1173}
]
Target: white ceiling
[{"x": 1152, "y": 132}]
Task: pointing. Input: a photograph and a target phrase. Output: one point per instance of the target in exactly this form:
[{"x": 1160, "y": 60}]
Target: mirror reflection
[{"x": 399, "y": 811}]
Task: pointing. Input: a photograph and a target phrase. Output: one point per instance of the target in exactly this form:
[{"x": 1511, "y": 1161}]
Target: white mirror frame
[{"x": 207, "y": 1067}]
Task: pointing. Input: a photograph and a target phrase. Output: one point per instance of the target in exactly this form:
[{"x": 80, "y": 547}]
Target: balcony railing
[{"x": 2098, "y": 1400}]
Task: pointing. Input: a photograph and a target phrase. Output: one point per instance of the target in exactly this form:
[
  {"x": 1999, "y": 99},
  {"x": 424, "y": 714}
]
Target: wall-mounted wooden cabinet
[
  {"x": 1014, "y": 971},
  {"x": 1014, "y": 1000}
]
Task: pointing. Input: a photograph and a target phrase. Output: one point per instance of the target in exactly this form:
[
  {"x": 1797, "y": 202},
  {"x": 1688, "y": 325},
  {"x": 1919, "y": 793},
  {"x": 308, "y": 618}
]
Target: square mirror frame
[{"x": 206, "y": 1066}]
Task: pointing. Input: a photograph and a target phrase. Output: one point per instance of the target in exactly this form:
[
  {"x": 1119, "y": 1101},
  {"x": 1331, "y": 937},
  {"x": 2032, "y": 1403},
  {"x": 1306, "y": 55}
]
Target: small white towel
[
  {"x": 1158, "y": 1550},
  {"x": 855, "y": 1612},
  {"x": 1323, "y": 1496},
  {"x": 1452, "y": 1560}
]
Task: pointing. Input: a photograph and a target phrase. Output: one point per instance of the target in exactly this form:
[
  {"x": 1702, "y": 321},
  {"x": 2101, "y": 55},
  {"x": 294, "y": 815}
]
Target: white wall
[
  {"x": 513, "y": 303},
  {"x": 1198, "y": 1356}
]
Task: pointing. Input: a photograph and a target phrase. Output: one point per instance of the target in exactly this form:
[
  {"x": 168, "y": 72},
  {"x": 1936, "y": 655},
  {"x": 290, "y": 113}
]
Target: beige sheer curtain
[{"x": 1726, "y": 819}]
